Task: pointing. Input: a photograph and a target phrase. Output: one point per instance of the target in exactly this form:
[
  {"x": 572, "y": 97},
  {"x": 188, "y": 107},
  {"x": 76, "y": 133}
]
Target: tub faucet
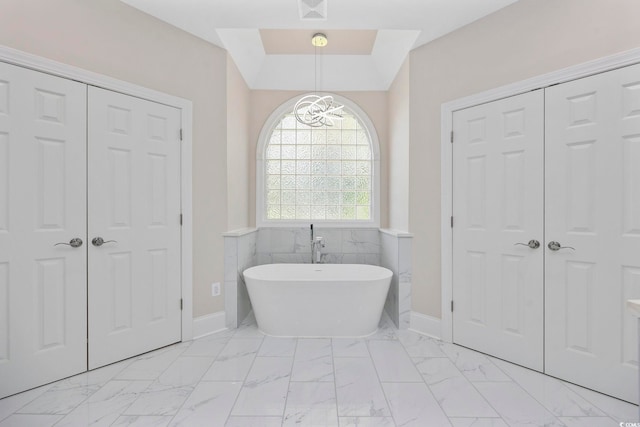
[{"x": 316, "y": 250}]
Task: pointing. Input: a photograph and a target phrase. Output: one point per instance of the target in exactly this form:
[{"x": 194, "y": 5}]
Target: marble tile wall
[
  {"x": 396, "y": 256},
  {"x": 240, "y": 253},
  {"x": 271, "y": 245},
  {"x": 342, "y": 245},
  {"x": 389, "y": 259}
]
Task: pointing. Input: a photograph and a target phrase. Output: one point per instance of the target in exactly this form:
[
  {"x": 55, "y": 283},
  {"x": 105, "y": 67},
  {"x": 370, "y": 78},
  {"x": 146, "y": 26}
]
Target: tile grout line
[
  {"x": 472, "y": 383},
  {"x": 424, "y": 381},
  {"x": 195, "y": 384},
  {"x": 154, "y": 381},
  {"x": 286, "y": 398},
  {"x": 335, "y": 381},
  {"x": 375, "y": 369},
  {"x": 235, "y": 401},
  {"x": 564, "y": 386},
  {"x": 512, "y": 380},
  {"x": 181, "y": 354},
  {"x": 51, "y": 386}
]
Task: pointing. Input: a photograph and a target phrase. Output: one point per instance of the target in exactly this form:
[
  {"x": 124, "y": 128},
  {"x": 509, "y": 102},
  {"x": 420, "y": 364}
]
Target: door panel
[
  {"x": 593, "y": 205},
  {"x": 42, "y": 202},
  {"x": 498, "y": 202},
  {"x": 134, "y": 206}
]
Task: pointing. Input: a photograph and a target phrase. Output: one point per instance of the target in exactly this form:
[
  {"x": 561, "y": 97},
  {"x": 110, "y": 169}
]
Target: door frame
[
  {"x": 44, "y": 65},
  {"x": 447, "y": 109}
]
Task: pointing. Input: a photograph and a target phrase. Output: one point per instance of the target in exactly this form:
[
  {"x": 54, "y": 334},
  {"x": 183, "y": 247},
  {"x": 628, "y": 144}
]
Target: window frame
[{"x": 263, "y": 142}]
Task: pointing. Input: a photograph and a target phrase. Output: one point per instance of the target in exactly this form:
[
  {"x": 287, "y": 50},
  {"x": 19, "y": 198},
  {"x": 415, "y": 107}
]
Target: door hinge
[
  {"x": 180, "y": 219},
  {"x": 180, "y": 134},
  {"x": 452, "y": 222},
  {"x": 452, "y": 137},
  {"x": 452, "y": 305},
  {"x": 181, "y": 304}
]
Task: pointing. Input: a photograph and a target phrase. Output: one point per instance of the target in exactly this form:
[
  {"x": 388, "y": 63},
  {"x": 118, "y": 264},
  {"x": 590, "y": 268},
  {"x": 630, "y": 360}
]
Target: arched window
[{"x": 325, "y": 174}]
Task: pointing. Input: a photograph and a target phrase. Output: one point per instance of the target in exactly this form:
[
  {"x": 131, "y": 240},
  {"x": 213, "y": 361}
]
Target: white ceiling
[{"x": 401, "y": 26}]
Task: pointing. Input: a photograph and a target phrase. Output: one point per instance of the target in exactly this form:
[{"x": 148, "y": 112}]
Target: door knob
[
  {"x": 556, "y": 246},
  {"x": 76, "y": 242},
  {"x": 533, "y": 244},
  {"x": 99, "y": 241}
]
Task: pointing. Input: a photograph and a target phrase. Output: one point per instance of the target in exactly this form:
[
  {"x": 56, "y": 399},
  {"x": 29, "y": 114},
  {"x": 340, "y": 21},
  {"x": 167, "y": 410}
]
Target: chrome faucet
[
  {"x": 317, "y": 244},
  {"x": 316, "y": 250}
]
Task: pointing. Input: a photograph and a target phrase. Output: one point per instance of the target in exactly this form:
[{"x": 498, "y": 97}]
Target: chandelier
[{"x": 315, "y": 110}]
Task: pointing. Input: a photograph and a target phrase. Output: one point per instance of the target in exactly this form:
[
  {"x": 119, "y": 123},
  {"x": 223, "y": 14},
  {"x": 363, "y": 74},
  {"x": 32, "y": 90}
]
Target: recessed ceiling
[
  {"x": 278, "y": 63},
  {"x": 298, "y": 42}
]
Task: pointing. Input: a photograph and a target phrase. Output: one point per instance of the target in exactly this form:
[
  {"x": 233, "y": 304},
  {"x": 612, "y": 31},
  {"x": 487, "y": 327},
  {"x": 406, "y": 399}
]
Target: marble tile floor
[{"x": 242, "y": 378}]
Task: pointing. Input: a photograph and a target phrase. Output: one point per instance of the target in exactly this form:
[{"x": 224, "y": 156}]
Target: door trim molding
[
  {"x": 44, "y": 65},
  {"x": 447, "y": 109}
]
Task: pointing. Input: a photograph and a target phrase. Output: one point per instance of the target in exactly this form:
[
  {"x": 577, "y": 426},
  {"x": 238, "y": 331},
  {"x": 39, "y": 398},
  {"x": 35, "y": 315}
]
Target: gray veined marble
[
  {"x": 475, "y": 366},
  {"x": 412, "y": 404},
  {"x": 399, "y": 378},
  {"x": 159, "y": 399},
  {"x": 313, "y": 360},
  {"x": 234, "y": 361},
  {"x": 477, "y": 422},
  {"x": 240, "y": 253},
  {"x": 392, "y": 362},
  {"x": 278, "y": 347},
  {"x": 396, "y": 256},
  {"x": 256, "y": 421},
  {"x": 358, "y": 390},
  {"x": 515, "y": 406},
  {"x": 265, "y": 390},
  {"x": 550, "y": 392},
  {"x": 209, "y": 404},
  {"x": 349, "y": 347},
  {"x": 420, "y": 345},
  {"x": 105, "y": 406},
  {"x": 311, "y": 403}
]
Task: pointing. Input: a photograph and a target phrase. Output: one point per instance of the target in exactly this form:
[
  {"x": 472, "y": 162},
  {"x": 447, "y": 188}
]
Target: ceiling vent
[{"x": 313, "y": 10}]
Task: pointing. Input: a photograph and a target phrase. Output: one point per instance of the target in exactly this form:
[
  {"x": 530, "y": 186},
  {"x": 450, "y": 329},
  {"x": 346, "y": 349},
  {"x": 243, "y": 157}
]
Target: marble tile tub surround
[
  {"x": 396, "y": 256},
  {"x": 239, "y": 254},
  {"x": 342, "y": 245},
  {"x": 241, "y": 378},
  {"x": 271, "y": 245}
]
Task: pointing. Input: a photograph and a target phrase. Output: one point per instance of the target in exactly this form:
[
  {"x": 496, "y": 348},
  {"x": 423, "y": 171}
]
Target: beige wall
[
  {"x": 108, "y": 37},
  {"x": 529, "y": 38},
  {"x": 398, "y": 152},
  {"x": 238, "y": 151},
  {"x": 374, "y": 104}
]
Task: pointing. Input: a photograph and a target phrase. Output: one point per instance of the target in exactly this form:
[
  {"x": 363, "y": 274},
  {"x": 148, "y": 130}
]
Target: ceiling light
[
  {"x": 314, "y": 110},
  {"x": 319, "y": 40}
]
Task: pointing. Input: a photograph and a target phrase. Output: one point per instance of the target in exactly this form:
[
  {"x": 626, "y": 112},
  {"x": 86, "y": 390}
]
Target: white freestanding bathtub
[{"x": 317, "y": 300}]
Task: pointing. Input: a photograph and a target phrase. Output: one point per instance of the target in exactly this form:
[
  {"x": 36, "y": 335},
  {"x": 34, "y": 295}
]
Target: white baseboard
[
  {"x": 425, "y": 325},
  {"x": 208, "y": 324}
]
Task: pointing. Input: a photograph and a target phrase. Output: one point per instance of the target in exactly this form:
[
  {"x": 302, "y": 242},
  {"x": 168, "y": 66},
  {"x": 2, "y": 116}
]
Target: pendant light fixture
[{"x": 315, "y": 110}]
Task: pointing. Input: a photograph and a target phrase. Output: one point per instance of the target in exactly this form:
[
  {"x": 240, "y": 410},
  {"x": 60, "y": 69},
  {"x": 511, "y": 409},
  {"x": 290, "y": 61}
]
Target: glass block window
[{"x": 323, "y": 173}]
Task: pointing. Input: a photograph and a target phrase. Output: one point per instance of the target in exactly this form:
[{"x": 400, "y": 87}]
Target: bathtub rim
[{"x": 388, "y": 274}]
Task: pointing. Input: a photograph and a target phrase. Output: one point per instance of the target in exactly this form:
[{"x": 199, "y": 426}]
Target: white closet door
[
  {"x": 134, "y": 206},
  {"x": 593, "y": 205},
  {"x": 498, "y": 202},
  {"x": 42, "y": 202}
]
